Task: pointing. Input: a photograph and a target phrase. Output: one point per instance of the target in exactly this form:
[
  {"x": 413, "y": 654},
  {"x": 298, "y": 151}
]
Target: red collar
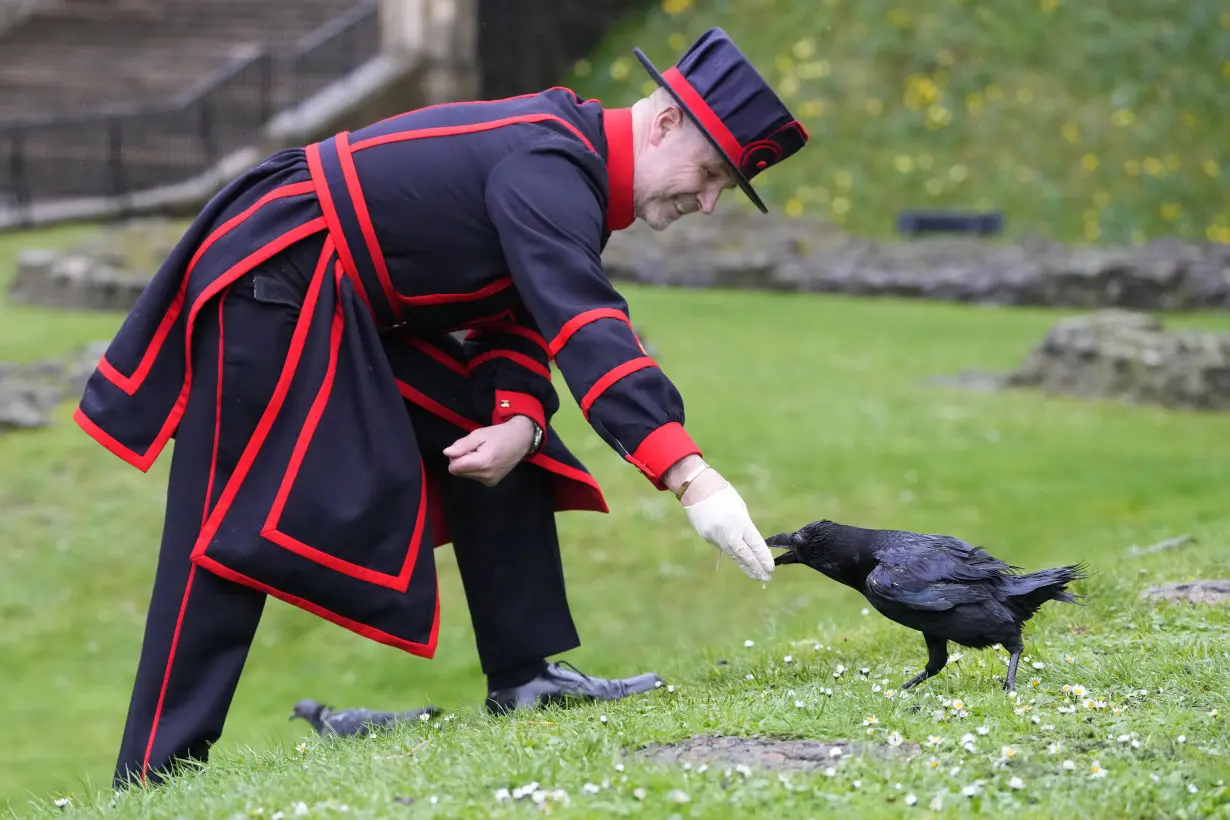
[{"x": 617, "y": 123}]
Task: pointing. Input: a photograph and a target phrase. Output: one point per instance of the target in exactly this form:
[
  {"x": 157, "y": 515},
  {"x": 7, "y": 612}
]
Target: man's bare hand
[{"x": 490, "y": 453}]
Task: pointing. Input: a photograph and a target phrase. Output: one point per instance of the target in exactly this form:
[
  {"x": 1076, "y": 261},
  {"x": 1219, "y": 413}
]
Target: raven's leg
[
  {"x": 937, "y": 656},
  {"x": 1010, "y": 681}
]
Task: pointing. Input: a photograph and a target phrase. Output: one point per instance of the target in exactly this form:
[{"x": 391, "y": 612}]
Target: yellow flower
[
  {"x": 944, "y": 57},
  {"x": 648, "y": 87},
  {"x": 1211, "y": 167},
  {"x": 1092, "y": 232},
  {"x": 676, "y": 41},
  {"x": 1070, "y": 132},
  {"x": 840, "y": 206},
  {"x": 1189, "y": 119},
  {"x": 935, "y": 187},
  {"x": 676, "y": 6},
  {"x": 815, "y": 69},
  {"x": 903, "y": 163},
  {"x": 1101, "y": 199},
  {"x": 973, "y": 103},
  {"x": 784, "y": 64},
  {"x": 582, "y": 68},
  {"x": 619, "y": 69},
  {"x": 1122, "y": 118},
  {"x": 812, "y": 108},
  {"x": 1153, "y": 166},
  {"x": 938, "y": 116},
  {"x": 1131, "y": 168},
  {"x": 1048, "y": 6},
  {"x": 1225, "y": 69},
  {"x": 958, "y": 172},
  {"x": 1173, "y": 162},
  {"x": 1138, "y": 238},
  {"x": 994, "y": 92},
  {"x": 794, "y": 207},
  {"x": 1170, "y": 211},
  {"x": 804, "y": 48},
  {"x": 843, "y": 180},
  {"x": 874, "y": 107},
  {"x": 1024, "y": 95},
  {"x": 1024, "y": 174},
  {"x": 1218, "y": 233},
  {"x": 1225, "y": 19},
  {"x": 788, "y": 87}
]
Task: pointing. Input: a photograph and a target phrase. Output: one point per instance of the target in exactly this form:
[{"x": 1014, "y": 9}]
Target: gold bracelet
[{"x": 683, "y": 488}]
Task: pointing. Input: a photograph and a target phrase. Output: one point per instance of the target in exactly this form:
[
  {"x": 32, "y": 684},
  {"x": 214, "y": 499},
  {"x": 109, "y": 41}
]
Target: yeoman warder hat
[{"x": 721, "y": 91}]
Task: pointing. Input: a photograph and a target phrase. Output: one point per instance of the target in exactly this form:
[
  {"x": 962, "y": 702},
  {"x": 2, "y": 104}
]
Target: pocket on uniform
[{"x": 271, "y": 291}]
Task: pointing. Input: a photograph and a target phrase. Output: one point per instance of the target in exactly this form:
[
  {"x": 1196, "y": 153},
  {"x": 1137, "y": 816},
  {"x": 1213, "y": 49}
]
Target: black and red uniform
[{"x": 297, "y": 345}]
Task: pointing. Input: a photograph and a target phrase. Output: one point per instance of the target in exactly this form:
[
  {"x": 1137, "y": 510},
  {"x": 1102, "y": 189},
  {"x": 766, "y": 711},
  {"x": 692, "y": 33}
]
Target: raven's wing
[{"x": 936, "y": 574}]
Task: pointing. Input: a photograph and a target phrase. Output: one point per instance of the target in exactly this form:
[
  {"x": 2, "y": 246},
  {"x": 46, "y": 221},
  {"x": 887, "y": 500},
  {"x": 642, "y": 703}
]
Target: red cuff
[
  {"x": 661, "y": 449},
  {"x": 509, "y": 403}
]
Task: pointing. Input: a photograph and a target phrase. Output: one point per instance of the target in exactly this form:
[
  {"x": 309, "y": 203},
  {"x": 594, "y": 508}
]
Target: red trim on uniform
[
  {"x": 143, "y": 461},
  {"x": 130, "y": 384},
  {"x": 471, "y": 128},
  {"x": 422, "y": 650},
  {"x": 617, "y": 123},
  {"x": 513, "y": 356},
  {"x": 710, "y": 120},
  {"x": 519, "y": 404},
  {"x": 547, "y": 463},
  {"x": 399, "y": 582},
  {"x": 512, "y": 330},
  {"x": 428, "y": 349},
  {"x": 610, "y": 377},
  {"x": 581, "y": 320},
  {"x": 503, "y": 283},
  {"x": 662, "y": 449},
  {"x": 166, "y": 674},
  {"x": 486, "y": 102},
  {"x": 365, "y": 220},
  {"x": 213, "y": 457},
  {"x": 331, "y": 219},
  {"x": 274, "y": 407}
]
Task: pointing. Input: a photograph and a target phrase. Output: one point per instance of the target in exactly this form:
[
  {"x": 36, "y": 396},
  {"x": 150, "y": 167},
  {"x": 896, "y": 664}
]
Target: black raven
[{"x": 937, "y": 584}]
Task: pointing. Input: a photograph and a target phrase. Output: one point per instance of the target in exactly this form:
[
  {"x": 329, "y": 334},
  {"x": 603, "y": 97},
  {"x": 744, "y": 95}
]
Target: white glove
[{"x": 722, "y": 520}]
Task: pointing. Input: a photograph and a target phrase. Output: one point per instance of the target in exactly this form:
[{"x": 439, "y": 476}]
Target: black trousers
[{"x": 199, "y": 626}]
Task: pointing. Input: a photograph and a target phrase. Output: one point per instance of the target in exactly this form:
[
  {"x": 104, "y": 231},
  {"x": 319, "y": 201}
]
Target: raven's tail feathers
[{"x": 1027, "y": 593}]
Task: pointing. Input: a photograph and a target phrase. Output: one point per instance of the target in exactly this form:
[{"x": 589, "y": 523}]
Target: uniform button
[{"x": 505, "y": 403}]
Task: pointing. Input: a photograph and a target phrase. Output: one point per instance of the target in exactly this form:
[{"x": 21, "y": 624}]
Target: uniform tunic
[{"x": 488, "y": 217}]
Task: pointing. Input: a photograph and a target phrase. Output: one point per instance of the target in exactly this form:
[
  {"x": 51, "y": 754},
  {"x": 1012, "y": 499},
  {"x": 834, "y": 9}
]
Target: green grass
[
  {"x": 813, "y": 405},
  {"x": 1099, "y": 122}
]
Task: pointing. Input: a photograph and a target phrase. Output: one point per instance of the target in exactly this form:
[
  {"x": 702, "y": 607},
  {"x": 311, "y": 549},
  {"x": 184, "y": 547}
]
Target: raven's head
[
  {"x": 819, "y": 545},
  {"x": 307, "y": 709}
]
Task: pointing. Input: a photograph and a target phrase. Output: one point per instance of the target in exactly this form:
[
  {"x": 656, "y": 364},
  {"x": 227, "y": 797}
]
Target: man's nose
[{"x": 708, "y": 200}]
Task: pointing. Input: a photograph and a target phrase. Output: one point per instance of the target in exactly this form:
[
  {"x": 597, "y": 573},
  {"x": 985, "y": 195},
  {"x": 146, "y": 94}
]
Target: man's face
[{"x": 679, "y": 172}]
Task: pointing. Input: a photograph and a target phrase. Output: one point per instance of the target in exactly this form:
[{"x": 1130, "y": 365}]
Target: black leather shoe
[{"x": 556, "y": 685}]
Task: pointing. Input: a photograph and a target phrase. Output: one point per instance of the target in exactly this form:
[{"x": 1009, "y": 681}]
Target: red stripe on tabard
[
  {"x": 422, "y": 650},
  {"x": 325, "y": 196},
  {"x": 470, "y": 128},
  {"x": 399, "y": 582},
  {"x": 610, "y": 377},
  {"x": 130, "y": 384},
  {"x": 365, "y": 220},
  {"x": 514, "y": 330},
  {"x": 436, "y": 353},
  {"x": 274, "y": 408},
  {"x": 144, "y": 461},
  {"x": 712, "y": 122},
  {"x": 512, "y": 356},
  {"x": 549, "y": 464},
  {"x": 503, "y": 283},
  {"x": 581, "y": 320}
]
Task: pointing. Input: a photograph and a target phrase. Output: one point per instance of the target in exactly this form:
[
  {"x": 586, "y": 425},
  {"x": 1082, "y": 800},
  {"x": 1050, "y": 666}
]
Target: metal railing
[{"x": 121, "y": 149}]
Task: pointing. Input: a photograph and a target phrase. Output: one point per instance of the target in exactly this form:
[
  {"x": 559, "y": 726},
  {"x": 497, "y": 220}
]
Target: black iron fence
[{"x": 114, "y": 151}]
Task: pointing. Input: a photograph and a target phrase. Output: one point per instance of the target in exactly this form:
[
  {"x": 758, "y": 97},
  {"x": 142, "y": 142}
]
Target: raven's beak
[
  {"x": 292, "y": 717},
  {"x": 783, "y": 541}
]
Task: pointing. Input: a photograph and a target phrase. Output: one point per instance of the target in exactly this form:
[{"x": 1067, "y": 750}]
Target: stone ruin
[
  {"x": 106, "y": 271},
  {"x": 771, "y": 252},
  {"x": 1130, "y": 357},
  {"x": 30, "y": 393}
]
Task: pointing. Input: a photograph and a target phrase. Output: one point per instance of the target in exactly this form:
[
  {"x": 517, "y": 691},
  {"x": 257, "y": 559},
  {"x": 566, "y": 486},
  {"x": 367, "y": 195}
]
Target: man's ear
[{"x": 665, "y": 121}]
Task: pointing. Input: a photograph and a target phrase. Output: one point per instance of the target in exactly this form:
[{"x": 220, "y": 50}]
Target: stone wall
[{"x": 769, "y": 252}]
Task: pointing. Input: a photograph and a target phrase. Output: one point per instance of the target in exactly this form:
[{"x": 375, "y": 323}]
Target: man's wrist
[
  {"x": 678, "y": 472},
  {"x": 535, "y": 432}
]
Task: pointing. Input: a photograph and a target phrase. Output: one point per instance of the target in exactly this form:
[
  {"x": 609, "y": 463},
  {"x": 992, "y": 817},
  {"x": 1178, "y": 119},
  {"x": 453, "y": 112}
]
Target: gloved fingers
[
  {"x": 759, "y": 549},
  {"x": 740, "y": 550}
]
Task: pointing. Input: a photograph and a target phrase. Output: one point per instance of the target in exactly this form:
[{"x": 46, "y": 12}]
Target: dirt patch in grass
[{"x": 769, "y": 753}]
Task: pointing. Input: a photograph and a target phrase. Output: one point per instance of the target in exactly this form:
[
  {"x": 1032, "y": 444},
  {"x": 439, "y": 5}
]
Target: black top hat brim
[{"x": 744, "y": 184}]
